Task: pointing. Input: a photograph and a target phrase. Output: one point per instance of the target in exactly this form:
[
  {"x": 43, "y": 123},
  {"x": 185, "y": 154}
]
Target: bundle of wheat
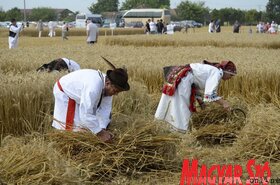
[
  {"x": 216, "y": 134},
  {"x": 217, "y": 126},
  {"x": 218, "y": 116},
  {"x": 138, "y": 148}
]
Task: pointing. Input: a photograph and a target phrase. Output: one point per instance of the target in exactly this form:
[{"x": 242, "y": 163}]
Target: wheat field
[{"x": 145, "y": 151}]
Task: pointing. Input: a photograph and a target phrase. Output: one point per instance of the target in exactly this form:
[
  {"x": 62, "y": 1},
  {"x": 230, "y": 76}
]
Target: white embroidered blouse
[{"x": 207, "y": 78}]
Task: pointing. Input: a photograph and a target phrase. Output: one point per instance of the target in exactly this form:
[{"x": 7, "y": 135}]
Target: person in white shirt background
[
  {"x": 83, "y": 100},
  {"x": 14, "y": 31},
  {"x": 273, "y": 28},
  {"x": 153, "y": 27},
  {"x": 92, "y": 32},
  {"x": 64, "y": 31},
  {"x": 211, "y": 27},
  {"x": 52, "y": 26},
  {"x": 60, "y": 64},
  {"x": 40, "y": 27},
  {"x": 182, "y": 87}
]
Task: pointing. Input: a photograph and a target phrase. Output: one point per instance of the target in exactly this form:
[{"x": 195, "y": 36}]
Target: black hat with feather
[{"x": 117, "y": 76}]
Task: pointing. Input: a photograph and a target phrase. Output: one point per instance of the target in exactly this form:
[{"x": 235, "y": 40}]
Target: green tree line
[
  {"x": 186, "y": 10},
  {"x": 41, "y": 13}
]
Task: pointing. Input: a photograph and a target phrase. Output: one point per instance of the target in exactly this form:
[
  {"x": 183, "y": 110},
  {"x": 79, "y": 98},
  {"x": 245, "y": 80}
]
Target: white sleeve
[
  {"x": 72, "y": 65},
  {"x": 15, "y": 29},
  {"x": 75, "y": 65},
  {"x": 88, "y": 106},
  {"x": 104, "y": 111},
  {"x": 211, "y": 87}
]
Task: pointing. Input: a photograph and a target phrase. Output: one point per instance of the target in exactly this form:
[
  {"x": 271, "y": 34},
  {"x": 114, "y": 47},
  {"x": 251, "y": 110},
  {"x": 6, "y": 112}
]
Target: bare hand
[
  {"x": 202, "y": 106},
  {"x": 105, "y": 135},
  {"x": 226, "y": 106}
]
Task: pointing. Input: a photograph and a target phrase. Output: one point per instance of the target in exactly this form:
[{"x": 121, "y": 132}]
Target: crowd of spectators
[{"x": 272, "y": 27}]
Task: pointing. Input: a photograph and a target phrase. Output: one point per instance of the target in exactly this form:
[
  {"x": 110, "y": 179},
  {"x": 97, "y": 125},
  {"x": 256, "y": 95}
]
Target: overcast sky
[{"x": 82, "y": 5}]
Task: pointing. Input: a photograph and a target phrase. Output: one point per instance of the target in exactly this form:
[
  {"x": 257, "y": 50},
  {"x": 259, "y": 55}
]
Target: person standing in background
[
  {"x": 160, "y": 27},
  {"x": 51, "y": 26},
  {"x": 147, "y": 27},
  {"x": 211, "y": 27},
  {"x": 92, "y": 32},
  {"x": 40, "y": 27},
  {"x": 153, "y": 27},
  {"x": 64, "y": 31},
  {"x": 218, "y": 26},
  {"x": 236, "y": 27},
  {"x": 14, "y": 31}
]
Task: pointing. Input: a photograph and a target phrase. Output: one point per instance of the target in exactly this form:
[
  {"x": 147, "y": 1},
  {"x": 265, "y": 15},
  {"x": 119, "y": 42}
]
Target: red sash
[{"x": 70, "y": 111}]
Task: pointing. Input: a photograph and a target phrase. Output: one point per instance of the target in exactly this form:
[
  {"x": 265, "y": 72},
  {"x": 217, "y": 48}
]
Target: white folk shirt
[
  {"x": 64, "y": 27},
  {"x": 175, "y": 109},
  {"x": 13, "y": 41},
  {"x": 92, "y": 30},
  {"x": 211, "y": 27},
  {"x": 153, "y": 27},
  {"x": 207, "y": 78},
  {"x": 71, "y": 64},
  {"x": 86, "y": 88}
]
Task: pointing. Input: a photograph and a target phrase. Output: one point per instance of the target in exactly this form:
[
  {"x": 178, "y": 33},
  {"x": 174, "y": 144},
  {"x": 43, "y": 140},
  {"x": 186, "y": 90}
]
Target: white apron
[{"x": 175, "y": 109}]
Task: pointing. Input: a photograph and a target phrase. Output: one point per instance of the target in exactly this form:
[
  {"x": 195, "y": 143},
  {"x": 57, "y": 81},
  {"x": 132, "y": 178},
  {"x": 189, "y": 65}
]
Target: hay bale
[{"x": 260, "y": 138}]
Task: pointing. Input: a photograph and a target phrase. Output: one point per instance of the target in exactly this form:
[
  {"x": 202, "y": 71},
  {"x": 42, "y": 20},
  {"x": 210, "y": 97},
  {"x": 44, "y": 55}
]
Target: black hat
[{"x": 119, "y": 78}]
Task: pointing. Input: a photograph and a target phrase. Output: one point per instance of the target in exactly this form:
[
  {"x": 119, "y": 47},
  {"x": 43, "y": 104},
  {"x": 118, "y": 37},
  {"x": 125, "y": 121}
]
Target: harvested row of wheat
[{"x": 82, "y": 157}]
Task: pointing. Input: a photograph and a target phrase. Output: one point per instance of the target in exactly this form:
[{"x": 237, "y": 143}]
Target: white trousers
[
  {"x": 175, "y": 109},
  {"x": 52, "y": 32},
  {"x": 60, "y": 110},
  {"x": 13, "y": 42}
]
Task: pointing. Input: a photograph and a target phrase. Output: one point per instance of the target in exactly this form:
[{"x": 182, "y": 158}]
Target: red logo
[{"x": 255, "y": 174}]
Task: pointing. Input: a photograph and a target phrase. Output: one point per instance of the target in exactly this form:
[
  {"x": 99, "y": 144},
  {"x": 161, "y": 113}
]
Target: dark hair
[
  {"x": 13, "y": 20},
  {"x": 57, "y": 64},
  {"x": 60, "y": 65},
  {"x": 89, "y": 20}
]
